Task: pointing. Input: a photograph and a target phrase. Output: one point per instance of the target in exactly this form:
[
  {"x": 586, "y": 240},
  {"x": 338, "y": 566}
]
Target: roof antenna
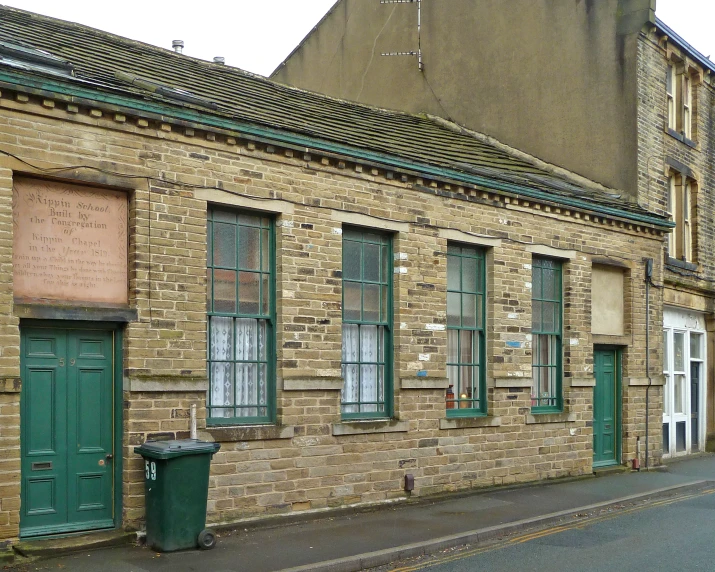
[
  {"x": 417, "y": 53},
  {"x": 178, "y": 46}
]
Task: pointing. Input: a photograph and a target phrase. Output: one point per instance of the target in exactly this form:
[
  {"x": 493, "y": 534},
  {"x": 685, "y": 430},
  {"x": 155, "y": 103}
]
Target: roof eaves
[
  {"x": 126, "y": 99},
  {"x": 680, "y": 42}
]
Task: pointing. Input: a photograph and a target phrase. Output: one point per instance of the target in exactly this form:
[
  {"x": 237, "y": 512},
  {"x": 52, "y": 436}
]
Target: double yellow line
[{"x": 585, "y": 522}]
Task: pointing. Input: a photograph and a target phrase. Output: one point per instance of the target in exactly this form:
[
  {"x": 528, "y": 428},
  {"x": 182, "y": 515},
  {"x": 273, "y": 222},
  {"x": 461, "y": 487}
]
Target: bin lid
[{"x": 176, "y": 448}]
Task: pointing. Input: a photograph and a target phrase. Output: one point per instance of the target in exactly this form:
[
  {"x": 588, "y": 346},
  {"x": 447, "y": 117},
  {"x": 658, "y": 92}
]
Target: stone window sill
[
  {"x": 538, "y": 418},
  {"x": 681, "y": 137},
  {"x": 681, "y": 264},
  {"x": 469, "y": 422},
  {"x": 249, "y": 433},
  {"x": 370, "y": 426}
]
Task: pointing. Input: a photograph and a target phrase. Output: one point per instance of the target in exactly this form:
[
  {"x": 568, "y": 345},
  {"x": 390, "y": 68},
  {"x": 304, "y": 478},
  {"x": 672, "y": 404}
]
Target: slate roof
[{"x": 97, "y": 57}]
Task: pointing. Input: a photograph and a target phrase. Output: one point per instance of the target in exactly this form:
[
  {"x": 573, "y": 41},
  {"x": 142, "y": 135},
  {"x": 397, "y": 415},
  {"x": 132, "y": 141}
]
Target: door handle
[{"x": 109, "y": 456}]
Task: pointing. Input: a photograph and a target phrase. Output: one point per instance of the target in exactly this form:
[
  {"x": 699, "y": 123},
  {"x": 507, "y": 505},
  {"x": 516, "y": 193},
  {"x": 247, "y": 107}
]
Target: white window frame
[
  {"x": 670, "y": 91},
  {"x": 687, "y": 107},
  {"x": 687, "y": 233},
  {"x": 670, "y": 416}
]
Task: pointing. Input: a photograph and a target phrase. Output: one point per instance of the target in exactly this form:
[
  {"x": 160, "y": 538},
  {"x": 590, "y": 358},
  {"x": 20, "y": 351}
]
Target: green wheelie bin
[{"x": 176, "y": 478}]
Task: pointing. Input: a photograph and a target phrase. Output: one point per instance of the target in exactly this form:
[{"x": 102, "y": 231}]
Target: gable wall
[{"x": 554, "y": 78}]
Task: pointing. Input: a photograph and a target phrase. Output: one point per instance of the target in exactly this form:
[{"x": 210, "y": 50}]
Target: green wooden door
[
  {"x": 606, "y": 428},
  {"x": 66, "y": 430}
]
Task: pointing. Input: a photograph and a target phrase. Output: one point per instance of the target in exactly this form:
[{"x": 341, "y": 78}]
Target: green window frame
[
  {"x": 241, "y": 317},
  {"x": 367, "y": 324},
  {"x": 466, "y": 343},
  {"x": 547, "y": 334}
]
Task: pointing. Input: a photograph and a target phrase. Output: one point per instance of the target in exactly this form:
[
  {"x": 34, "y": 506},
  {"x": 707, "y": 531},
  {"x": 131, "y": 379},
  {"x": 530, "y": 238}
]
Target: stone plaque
[{"x": 69, "y": 243}]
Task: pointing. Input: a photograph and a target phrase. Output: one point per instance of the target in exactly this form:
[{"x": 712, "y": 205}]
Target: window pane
[
  {"x": 209, "y": 289},
  {"x": 666, "y": 396},
  {"x": 452, "y": 346},
  {"x": 536, "y": 287},
  {"x": 469, "y": 311},
  {"x": 372, "y": 263},
  {"x": 248, "y": 292},
  {"x": 679, "y": 351},
  {"x": 454, "y": 310},
  {"x": 466, "y": 347},
  {"x": 225, "y": 291},
  {"x": 537, "y": 318},
  {"x": 352, "y": 300},
  {"x": 453, "y": 273},
  {"x": 247, "y": 339},
  {"x": 386, "y": 264},
  {"x": 549, "y": 285},
  {"x": 371, "y": 303},
  {"x": 680, "y": 437},
  {"x": 666, "y": 352},
  {"x": 469, "y": 274},
  {"x": 224, "y": 243},
  {"x": 249, "y": 252},
  {"x": 266, "y": 294},
  {"x": 265, "y": 250},
  {"x": 696, "y": 341},
  {"x": 678, "y": 397},
  {"x": 224, "y": 216},
  {"x": 352, "y": 260}
]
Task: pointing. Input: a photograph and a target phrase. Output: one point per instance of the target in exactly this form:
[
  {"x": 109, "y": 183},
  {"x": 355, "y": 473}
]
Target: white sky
[{"x": 257, "y": 35}]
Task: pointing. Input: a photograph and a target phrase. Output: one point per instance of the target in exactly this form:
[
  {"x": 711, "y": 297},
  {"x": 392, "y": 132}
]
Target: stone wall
[{"x": 312, "y": 459}]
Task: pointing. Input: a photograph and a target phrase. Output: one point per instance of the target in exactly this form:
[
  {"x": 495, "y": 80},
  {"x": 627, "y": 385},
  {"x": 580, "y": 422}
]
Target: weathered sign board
[{"x": 69, "y": 243}]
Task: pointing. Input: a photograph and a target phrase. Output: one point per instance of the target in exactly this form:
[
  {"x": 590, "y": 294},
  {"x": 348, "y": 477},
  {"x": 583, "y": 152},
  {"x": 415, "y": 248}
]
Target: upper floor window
[
  {"x": 466, "y": 363},
  {"x": 241, "y": 318},
  {"x": 546, "y": 331},
  {"x": 367, "y": 324},
  {"x": 679, "y": 82},
  {"x": 681, "y": 208},
  {"x": 670, "y": 91}
]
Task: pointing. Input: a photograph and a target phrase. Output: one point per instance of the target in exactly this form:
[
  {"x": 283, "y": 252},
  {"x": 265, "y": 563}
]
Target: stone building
[
  {"x": 604, "y": 89},
  {"x": 349, "y": 295}
]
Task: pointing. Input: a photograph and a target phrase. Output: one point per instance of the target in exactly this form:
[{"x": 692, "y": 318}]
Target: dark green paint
[
  {"x": 176, "y": 485},
  {"x": 67, "y": 430},
  {"x": 606, "y": 408}
]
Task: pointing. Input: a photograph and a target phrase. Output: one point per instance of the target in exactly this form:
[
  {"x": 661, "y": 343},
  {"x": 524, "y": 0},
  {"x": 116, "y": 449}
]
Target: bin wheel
[{"x": 207, "y": 539}]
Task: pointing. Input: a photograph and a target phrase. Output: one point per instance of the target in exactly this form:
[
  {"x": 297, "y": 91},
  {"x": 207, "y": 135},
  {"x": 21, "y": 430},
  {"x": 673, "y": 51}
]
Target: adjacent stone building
[
  {"x": 348, "y": 295},
  {"x": 603, "y": 88}
]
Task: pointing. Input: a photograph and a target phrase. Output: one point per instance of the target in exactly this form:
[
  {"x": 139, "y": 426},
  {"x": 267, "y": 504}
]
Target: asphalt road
[{"x": 669, "y": 534}]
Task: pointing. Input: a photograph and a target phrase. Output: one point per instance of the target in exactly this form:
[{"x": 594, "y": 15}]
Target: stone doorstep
[
  {"x": 610, "y": 470},
  {"x": 59, "y": 546}
]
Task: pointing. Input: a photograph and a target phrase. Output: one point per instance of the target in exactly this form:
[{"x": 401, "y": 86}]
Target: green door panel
[
  {"x": 66, "y": 430},
  {"x": 606, "y": 429}
]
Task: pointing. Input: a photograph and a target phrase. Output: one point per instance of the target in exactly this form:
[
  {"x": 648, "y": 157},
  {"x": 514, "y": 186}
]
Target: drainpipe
[{"x": 648, "y": 280}]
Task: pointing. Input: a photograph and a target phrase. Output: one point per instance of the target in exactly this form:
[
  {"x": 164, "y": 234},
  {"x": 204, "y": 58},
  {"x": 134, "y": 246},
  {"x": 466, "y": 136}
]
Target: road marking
[{"x": 581, "y": 524}]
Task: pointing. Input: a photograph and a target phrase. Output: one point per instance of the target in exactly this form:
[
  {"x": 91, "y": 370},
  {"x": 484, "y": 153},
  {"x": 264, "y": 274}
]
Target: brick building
[
  {"x": 349, "y": 295},
  {"x": 604, "y": 89}
]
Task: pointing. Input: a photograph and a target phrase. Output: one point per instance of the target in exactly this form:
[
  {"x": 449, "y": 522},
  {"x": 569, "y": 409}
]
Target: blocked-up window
[
  {"x": 367, "y": 324},
  {"x": 546, "y": 331},
  {"x": 466, "y": 363},
  {"x": 241, "y": 318}
]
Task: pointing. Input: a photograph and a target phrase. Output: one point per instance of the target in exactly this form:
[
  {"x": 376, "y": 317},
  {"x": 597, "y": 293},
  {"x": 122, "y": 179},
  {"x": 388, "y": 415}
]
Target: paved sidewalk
[{"x": 347, "y": 543}]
